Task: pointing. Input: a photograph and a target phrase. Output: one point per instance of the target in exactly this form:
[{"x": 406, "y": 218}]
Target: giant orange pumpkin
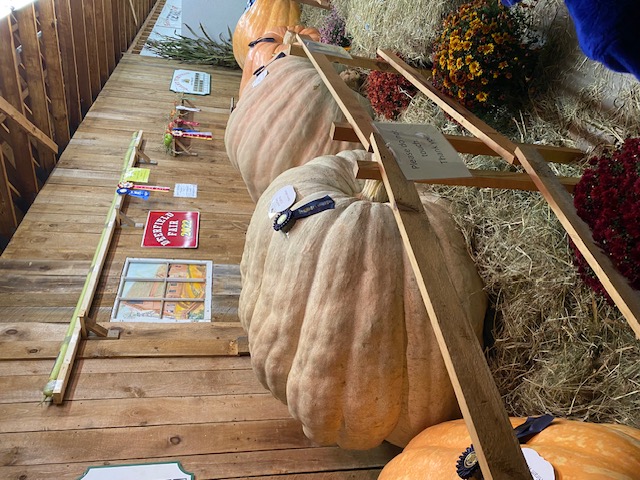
[
  {"x": 261, "y": 17},
  {"x": 577, "y": 451},
  {"x": 281, "y": 123},
  {"x": 336, "y": 324},
  {"x": 276, "y": 40}
]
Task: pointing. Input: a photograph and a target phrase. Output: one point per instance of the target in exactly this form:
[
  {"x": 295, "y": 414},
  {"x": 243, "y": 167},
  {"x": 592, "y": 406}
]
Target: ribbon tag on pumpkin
[
  {"x": 286, "y": 219},
  {"x": 540, "y": 468},
  {"x": 262, "y": 71},
  {"x": 283, "y": 199},
  {"x": 468, "y": 466}
]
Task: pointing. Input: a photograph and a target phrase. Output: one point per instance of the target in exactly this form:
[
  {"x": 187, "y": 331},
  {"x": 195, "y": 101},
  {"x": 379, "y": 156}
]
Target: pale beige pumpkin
[
  {"x": 270, "y": 44},
  {"x": 337, "y": 327},
  {"x": 281, "y": 123},
  {"x": 259, "y": 18},
  {"x": 577, "y": 451}
]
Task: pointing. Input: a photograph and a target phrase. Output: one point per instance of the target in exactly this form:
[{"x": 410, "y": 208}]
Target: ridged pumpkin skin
[
  {"x": 281, "y": 123},
  {"x": 263, "y": 52},
  {"x": 577, "y": 451},
  {"x": 261, "y": 17},
  {"x": 336, "y": 324}
]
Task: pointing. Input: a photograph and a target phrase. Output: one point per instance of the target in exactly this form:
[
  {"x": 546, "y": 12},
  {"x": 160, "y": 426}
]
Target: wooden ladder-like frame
[{"x": 491, "y": 433}]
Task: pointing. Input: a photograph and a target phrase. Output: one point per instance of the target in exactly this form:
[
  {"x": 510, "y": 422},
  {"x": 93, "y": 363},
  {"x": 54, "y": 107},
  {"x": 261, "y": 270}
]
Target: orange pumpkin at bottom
[{"x": 577, "y": 451}]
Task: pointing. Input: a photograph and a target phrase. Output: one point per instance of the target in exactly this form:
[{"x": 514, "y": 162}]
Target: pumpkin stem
[
  {"x": 289, "y": 38},
  {"x": 374, "y": 191}
]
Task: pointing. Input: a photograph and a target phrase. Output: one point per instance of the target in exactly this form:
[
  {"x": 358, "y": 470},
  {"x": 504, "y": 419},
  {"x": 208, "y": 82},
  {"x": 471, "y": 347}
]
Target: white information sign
[
  {"x": 185, "y": 190},
  {"x": 153, "y": 471},
  {"x": 422, "y": 152},
  {"x": 283, "y": 199},
  {"x": 260, "y": 77},
  {"x": 325, "y": 49},
  {"x": 189, "y": 81}
]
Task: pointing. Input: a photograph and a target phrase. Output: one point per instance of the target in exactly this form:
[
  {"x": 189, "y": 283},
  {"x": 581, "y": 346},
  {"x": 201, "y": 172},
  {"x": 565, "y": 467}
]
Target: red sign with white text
[{"x": 171, "y": 229}]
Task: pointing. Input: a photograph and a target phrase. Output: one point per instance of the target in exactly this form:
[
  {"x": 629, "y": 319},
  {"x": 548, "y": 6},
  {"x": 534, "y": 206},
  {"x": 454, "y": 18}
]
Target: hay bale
[
  {"x": 558, "y": 349},
  {"x": 405, "y": 26}
]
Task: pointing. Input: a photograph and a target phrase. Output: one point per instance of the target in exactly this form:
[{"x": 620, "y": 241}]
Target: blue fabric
[{"x": 606, "y": 31}]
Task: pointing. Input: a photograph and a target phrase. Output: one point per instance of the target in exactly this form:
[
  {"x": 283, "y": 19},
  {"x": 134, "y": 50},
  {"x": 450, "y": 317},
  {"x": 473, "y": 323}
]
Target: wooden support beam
[
  {"x": 133, "y": 12},
  {"x": 101, "y": 39},
  {"x": 144, "y": 158},
  {"x": 55, "y": 77},
  {"x": 8, "y": 219},
  {"x": 64, "y": 29},
  {"x": 21, "y": 121},
  {"x": 32, "y": 60},
  {"x": 92, "y": 48},
  {"x": 358, "y": 118},
  {"x": 343, "y": 132},
  {"x": 355, "y": 61},
  {"x": 626, "y": 298},
  {"x": 496, "y": 141},
  {"x": 123, "y": 24},
  {"x": 26, "y": 181},
  {"x": 81, "y": 55},
  {"x": 498, "y": 450},
  {"x": 479, "y": 178},
  {"x": 115, "y": 21},
  {"x": 112, "y": 59}
]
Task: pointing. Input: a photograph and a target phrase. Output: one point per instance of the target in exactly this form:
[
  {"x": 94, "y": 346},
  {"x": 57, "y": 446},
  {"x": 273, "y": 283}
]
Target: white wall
[{"x": 214, "y": 15}]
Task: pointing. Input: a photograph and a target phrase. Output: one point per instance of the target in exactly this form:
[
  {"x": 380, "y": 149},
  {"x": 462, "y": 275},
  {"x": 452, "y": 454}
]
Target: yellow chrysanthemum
[
  {"x": 482, "y": 96},
  {"x": 475, "y": 69}
]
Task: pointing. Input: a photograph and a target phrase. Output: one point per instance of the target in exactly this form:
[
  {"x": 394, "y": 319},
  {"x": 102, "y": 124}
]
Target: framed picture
[{"x": 164, "y": 291}]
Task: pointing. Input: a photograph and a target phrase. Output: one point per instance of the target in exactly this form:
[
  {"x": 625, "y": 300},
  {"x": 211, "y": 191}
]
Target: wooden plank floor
[{"x": 155, "y": 394}]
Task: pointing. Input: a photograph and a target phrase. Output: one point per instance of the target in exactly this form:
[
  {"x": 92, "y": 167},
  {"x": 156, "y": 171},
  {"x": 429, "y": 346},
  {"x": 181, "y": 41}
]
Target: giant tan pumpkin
[
  {"x": 259, "y": 18},
  {"x": 337, "y": 327},
  {"x": 270, "y": 44},
  {"x": 577, "y": 451},
  {"x": 282, "y": 122}
]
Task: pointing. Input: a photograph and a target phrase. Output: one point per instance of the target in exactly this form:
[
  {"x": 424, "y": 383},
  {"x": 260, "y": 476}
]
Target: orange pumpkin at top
[
  {"x": 261, "y": 17},
  {"x": 577, "y": 451},
  {"x": 270, "y": 44}
]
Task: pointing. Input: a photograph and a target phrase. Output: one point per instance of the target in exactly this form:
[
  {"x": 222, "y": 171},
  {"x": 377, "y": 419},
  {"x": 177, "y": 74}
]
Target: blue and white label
[{"x": 283, "y": 199}]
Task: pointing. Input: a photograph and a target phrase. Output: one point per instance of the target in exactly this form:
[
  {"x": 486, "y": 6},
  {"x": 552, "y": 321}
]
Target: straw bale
[{"x": 557, "y": 348}]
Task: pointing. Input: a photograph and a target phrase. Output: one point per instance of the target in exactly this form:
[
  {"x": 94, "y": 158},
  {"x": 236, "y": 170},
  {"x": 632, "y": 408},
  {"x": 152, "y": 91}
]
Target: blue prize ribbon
[
  {"x": 467, "y": 465},
  {"x": 260, "y": 69},
  {"x": 287, "y": 218},
  {"x": 143, "y": 194},
  {"x": 262, "y": 40}
]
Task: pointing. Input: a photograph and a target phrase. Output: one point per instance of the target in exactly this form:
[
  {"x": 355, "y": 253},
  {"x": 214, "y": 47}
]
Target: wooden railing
[{"x": 55, "y": 57}]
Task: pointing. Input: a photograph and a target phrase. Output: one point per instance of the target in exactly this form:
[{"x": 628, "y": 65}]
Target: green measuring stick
[{"x": 55, "y": 371}]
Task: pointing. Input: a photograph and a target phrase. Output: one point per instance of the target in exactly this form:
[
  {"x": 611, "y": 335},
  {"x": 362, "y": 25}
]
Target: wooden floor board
[
  {"x": 157, "y": 394},
  {"x": 33, "y": 448},
  {"x": 239, "y": 465},
  {"x": 131, "y": 412}
]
